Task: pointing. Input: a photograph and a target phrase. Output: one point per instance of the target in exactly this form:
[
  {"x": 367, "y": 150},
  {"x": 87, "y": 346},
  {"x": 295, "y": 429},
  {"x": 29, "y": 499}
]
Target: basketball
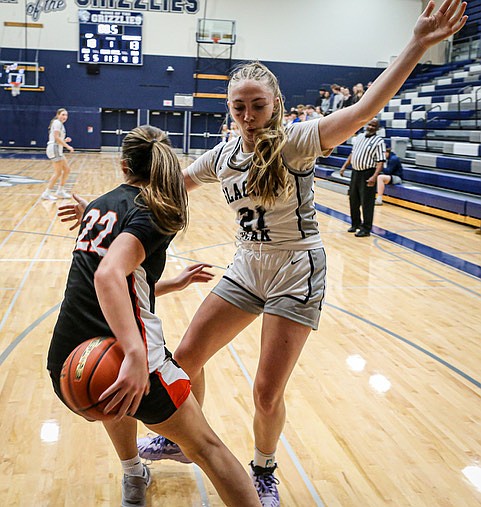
[{"x": 87, "y": 372}]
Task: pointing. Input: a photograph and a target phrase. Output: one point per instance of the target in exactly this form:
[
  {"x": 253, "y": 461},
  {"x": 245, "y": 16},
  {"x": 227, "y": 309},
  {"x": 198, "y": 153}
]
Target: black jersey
[{"x": 80, "y": 316}]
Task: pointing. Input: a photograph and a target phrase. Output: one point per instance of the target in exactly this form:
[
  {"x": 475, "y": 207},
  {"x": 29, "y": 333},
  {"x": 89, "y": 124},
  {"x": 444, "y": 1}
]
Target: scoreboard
[{"x": 113, "y": 37}]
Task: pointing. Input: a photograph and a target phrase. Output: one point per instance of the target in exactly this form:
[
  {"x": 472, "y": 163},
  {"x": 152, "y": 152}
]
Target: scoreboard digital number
[{"x": 111, "y": 37}]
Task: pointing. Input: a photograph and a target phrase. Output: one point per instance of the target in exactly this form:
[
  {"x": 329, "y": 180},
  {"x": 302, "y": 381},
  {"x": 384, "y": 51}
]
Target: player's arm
[
  {"x": 191, "y": 274},
  {"x": 190, "y": 184},
  {"x": 124, "y": 255},
  {"x": 428, "y": 31},
  {"x": 59, "y": 140}
]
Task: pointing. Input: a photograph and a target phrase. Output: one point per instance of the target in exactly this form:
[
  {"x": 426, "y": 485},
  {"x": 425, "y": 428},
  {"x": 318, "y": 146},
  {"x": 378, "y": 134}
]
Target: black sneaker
[
  {"x": 362, "y": 233},
  {"x": 352, "y": 229},
  {"x": 266, "y": 485}
]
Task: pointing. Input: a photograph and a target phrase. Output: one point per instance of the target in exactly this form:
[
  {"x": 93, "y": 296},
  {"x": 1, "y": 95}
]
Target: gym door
[
  {"x": 205, "y": 130},
  {"x": 116, "y": 123},
  {"x": 171, "y": 122}
]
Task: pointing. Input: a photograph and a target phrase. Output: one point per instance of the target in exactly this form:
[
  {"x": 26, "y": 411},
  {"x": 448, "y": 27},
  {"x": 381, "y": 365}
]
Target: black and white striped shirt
[{"x": 367, "y": 152}]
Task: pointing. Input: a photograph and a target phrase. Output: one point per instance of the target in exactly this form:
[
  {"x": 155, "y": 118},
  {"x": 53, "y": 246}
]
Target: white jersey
[
  {"x": 291, "y": 223},
  {"x": 59, "y": 126}
]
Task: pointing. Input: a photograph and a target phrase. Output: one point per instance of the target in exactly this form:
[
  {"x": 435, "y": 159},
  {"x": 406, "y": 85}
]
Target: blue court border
[{"x": 437, "y": 255}]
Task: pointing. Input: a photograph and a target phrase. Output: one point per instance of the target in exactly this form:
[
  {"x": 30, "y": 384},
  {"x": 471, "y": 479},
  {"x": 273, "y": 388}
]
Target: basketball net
[
  {"x": 16, "y": 85},
  {"x": 215, "y": 39}
]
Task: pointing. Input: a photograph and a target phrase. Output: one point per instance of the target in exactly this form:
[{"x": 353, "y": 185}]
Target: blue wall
[{"x": 145, "y": 87}]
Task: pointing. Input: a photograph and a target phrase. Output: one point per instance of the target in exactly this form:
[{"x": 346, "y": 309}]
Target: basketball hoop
[
  {"x": 16, "y": 85},
  {"x": 215, "y": 39}
]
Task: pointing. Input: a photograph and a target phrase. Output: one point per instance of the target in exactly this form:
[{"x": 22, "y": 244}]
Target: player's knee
[
  {"x": 184, "y": 357},
  {"x": 266, "y": 399}
]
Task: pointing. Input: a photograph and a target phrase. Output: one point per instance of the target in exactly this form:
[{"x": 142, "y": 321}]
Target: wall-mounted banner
[
  {"x": 173, "y": 6},
  {"x": 34, "y": 9}
]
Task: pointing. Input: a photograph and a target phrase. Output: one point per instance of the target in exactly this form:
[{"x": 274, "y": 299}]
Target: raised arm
[{"x": 429, "y": 30}]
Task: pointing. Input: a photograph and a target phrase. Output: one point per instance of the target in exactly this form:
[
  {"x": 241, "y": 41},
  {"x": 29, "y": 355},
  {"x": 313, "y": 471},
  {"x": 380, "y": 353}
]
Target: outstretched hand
[
  {"x": 72, "y": 212},
  {"x": 433, "y": 28},
  {"x": 193, "y": 274}
]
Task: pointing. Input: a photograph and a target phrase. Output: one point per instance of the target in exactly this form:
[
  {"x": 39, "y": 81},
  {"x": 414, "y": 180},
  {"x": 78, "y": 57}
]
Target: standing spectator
[
  {"x": 391, "y": 174},
  {"x": 319, "y": 100},
  {"x": 234, "y": 130},
  {"x": 335, "y": 100},
  {"x": 325, "y": 103},
  {"x": 367, "y": 159},
  {"x": 57, "y": 141},
  {"x": 225, "y": 133},
  {"x": 346, "y": 96},
  {"x": 357, "y": 92}
]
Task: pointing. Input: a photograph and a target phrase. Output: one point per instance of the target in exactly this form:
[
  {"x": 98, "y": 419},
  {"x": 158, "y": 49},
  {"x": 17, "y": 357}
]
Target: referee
[{"x": 367, "y": 159}]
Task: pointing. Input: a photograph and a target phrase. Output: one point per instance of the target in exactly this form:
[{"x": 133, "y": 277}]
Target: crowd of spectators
[{"x": 329, "y": 100}]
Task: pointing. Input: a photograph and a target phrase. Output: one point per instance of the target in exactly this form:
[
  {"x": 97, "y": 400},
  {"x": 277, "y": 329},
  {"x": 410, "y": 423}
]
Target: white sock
[
  {"x": 264, "y": 460},
  {"x": 133, "y": 466}
]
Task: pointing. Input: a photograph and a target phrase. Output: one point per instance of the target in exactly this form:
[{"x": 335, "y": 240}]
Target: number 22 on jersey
[{"x": 104, "y": 222}]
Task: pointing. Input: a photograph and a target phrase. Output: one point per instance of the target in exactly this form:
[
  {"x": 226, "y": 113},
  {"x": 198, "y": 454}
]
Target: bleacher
[{"x": 435, "y": 124}]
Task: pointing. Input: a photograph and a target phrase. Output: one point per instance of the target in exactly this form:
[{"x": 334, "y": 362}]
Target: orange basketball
[{"x": 87, "y": 372}]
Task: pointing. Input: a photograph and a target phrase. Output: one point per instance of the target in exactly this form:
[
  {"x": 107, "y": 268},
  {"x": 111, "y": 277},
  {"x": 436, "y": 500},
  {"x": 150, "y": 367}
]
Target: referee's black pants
[{"x": 362, "y": 196}]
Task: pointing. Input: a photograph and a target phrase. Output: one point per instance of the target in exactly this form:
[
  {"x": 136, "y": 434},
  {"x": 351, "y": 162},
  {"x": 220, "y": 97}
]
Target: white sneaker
[
  {"x": 378, "y": 201},
  {"x": 62, "y": 194},
  {"x": 134, "y": 488},
  {"x": 48, "y": 196}
]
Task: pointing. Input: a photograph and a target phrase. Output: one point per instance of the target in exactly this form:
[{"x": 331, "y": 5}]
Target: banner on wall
[
  {"x": 35, "y": 8},
  {"x": 173, "y": 6}
]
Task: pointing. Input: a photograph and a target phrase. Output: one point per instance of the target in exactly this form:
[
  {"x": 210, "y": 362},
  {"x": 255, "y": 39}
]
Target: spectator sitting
[
  {"x": 293, "y": 117},
  {"x": 300, "y": 108},
  {"x": 311, "y": 113},
  {"x": 391, "y": 174}
]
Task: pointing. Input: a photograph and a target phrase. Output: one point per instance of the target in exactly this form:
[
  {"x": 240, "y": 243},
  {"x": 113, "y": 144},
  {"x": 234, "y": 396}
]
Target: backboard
[{"x": 215, "y": 31}]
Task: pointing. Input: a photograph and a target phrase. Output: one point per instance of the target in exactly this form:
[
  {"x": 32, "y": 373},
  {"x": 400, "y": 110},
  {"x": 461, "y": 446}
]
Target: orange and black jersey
[{"x": 80, "y": 315}]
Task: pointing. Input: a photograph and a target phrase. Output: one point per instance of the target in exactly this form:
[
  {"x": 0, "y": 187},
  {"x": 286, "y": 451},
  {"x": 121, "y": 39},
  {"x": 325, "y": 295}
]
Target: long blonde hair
[
  {"x": 61, "y": 110},
  {"x": 268, "y": 178},
  {"x": 147, "y": 152}
]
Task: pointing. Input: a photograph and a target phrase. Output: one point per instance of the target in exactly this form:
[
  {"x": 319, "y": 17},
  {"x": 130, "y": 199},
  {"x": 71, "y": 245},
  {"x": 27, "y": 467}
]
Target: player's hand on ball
[{"x": 131, "y": 385}]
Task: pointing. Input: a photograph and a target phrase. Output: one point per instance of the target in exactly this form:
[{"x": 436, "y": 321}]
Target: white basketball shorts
[{"x": 288, "y": 283}]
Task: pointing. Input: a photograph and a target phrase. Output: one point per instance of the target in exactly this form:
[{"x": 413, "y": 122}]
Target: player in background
[
  {"x": 118, "y": 259},
  {"x": 57, "y": 141}
]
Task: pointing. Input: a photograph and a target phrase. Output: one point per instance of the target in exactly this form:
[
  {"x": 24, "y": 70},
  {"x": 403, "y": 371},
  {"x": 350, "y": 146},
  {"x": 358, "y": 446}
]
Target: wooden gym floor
[{"x": 384, "y": 407}]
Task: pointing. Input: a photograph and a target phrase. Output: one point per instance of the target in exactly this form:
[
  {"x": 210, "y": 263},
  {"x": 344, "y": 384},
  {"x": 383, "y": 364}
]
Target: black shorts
[{"x": 161, "y": 402}]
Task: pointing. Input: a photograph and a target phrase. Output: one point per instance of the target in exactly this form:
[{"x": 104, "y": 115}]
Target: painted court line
[{"x": 432, "y": 253}]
